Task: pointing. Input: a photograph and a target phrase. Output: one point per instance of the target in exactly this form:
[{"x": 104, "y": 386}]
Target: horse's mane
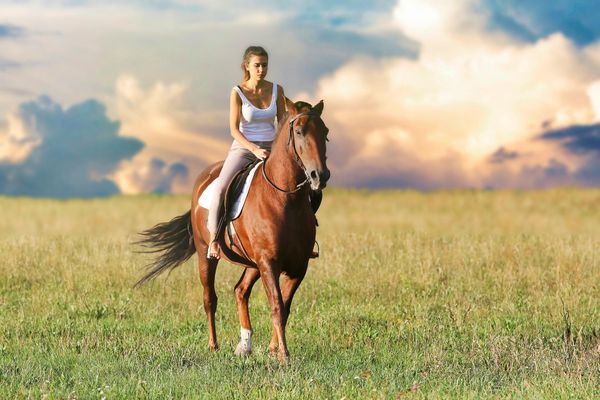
[
  {"x": 283, "y": 122},
  {"x": 301, "y": 106}
]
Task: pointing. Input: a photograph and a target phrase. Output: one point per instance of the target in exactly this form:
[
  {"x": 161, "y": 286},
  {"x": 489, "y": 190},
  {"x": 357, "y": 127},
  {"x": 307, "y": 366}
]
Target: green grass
[{"x": 453, "y": 294}]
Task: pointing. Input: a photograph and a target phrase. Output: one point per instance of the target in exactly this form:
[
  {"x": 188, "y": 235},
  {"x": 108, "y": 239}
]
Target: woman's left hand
[{"x": 261, "y": 153}]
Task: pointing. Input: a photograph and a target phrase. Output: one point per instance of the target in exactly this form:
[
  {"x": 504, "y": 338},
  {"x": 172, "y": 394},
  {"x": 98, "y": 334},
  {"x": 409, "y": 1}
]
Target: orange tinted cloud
[
  {"x": 440, "y": 117},
  {"x": 158, "y": 117}
]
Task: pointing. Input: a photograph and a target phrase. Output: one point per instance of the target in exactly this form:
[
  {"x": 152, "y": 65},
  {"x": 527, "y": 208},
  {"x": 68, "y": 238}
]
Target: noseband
[{"x": 292, "y": 140}]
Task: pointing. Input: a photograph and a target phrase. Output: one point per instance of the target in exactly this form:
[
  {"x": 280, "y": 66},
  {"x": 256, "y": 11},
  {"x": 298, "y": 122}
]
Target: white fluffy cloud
[
  {"x": 431, "y": 121},
  {"x": 438, "y": 118},
  {"x": 158, "y": 117},
  {"x": 16, "y": 140}
]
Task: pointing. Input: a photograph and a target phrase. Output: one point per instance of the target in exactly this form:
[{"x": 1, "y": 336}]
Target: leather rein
[{"x": 292, "y": 140}]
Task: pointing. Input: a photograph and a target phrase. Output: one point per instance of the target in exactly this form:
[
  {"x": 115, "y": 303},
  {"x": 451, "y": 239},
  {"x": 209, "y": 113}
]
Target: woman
[{"x": 253, "y": 106}]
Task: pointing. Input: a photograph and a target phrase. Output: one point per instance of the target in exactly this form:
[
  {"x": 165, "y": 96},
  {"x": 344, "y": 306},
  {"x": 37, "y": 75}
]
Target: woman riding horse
[
  {"x": 253, "y": 106},
  {"x": 276, "y": 228}
]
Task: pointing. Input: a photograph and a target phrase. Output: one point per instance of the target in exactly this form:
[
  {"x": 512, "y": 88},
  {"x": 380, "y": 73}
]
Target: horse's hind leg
[
  {"x": 242, "y": 294},
  {"x": 208, "y": 269},
  {"x": 288, "y": 289}
]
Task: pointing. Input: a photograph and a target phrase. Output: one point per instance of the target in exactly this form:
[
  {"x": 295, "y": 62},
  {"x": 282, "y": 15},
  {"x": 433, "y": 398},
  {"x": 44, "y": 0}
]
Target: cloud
[
  {"x": 11, "y": 31},
  {"x": 197, "y": 42},
  {"x": 501, "y": 155},
  {"x": 155, "y": 176},
  {"x": 56, "y": 152},
  {"x": 589, "y": 173},
  {"x": 532, "y": 20},
  {"x": 556, "y": 169},
  {"x": 583, "y": 141},
  {"x": 152, "y": 143},
  {"x": 499, "y": 20},
  {"x": 186, "y": 56},
  {"x": 158, "y": 117},
  {"x": 577, "y": 138},
  {"x": 470, "y": 92},
  {"x": 418, "y": 93},
  {"x": 7, "y": 64}
]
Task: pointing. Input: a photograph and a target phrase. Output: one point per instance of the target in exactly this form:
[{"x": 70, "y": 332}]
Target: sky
[{"x": 101, "y": 97}]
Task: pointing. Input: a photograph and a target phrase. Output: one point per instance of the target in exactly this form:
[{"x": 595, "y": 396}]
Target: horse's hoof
[
  {"x": 213, "y": 347},
  {"x": 242, "y": 350},
  {"x": 283, "y": 357}
]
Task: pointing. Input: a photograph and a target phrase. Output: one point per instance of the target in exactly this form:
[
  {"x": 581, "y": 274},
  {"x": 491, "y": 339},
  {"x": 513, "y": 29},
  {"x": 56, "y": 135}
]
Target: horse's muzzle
[{"x": 318, "y": 180}]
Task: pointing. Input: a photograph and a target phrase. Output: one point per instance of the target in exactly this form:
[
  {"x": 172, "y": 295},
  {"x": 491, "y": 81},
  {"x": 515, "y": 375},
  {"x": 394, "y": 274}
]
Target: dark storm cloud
[
  {"x": 584, "y": 141},
  {"x": 577, "y": 138},
  {"x": 78, "y": 147},
  {"x": 501, "y": 155},
  {"x": 579, "y": 20}
]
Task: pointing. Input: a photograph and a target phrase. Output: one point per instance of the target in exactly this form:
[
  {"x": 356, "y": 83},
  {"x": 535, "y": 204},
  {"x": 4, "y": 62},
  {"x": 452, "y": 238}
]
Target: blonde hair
[{"x": 252, "y": 51}]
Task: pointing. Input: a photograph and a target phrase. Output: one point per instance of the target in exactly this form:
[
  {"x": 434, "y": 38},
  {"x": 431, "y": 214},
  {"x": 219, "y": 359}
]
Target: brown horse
[{"x": 276, "y": 228}]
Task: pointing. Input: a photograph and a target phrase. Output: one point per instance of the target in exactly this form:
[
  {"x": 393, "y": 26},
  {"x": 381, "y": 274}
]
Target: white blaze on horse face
[
  {"x": 314, "y": 166},
  {"x": 244, "y": 347}
]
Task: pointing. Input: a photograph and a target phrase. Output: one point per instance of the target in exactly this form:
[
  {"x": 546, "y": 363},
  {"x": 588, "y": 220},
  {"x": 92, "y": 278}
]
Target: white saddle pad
[{"x": 236, "y": 209}]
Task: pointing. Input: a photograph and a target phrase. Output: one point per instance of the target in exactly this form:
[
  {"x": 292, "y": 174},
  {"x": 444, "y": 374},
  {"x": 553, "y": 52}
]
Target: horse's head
[{"x": 308, "y": 134}]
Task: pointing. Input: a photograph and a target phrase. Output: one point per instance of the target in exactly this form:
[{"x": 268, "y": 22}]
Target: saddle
[
  {"x": 234, "y": 190},
  {"x": 229, "y": 211},
  {"x": 231, "y": 208}
]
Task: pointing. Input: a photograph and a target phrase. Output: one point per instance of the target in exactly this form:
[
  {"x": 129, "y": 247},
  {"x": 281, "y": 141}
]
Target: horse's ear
[
  {"x": 302, "y": 106},
  {"x": 318, "y": 109},
  {"x": 291, "y": 107}
]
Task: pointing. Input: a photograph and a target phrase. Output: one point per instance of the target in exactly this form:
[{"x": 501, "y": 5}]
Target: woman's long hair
[{"x": 251, "y": 51}]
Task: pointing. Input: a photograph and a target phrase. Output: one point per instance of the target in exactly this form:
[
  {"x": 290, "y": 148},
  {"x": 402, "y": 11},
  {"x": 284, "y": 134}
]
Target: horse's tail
[{"x": 174, "y": 238}]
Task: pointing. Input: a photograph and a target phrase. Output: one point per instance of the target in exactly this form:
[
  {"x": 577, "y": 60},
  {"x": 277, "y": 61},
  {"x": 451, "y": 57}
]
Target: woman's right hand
[{"x": 261, "y": 153}]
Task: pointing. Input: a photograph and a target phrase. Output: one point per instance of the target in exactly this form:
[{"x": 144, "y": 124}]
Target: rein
[{"x": 291, "y": 140}]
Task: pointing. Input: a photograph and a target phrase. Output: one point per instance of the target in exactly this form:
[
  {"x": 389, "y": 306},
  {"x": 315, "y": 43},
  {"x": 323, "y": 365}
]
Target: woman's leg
[{"x": 236, "y": 159}]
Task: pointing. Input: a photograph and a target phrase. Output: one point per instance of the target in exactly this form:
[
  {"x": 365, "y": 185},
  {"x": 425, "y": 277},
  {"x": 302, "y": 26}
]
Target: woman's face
[{"x": 257, "y": 67}]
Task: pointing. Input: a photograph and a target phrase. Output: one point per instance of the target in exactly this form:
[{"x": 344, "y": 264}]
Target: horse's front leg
[
  {"x": 242, "y": 295},
  {"x": 288, "y": 289},
  {"x": 269, "y": 273}
]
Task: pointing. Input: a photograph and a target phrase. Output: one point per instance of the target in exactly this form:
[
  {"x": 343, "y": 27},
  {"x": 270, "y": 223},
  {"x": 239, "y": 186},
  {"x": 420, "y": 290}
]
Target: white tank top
[{"x": 258, "y": 124}]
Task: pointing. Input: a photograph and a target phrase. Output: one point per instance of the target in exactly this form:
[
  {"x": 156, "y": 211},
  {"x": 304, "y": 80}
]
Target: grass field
[{"x": 453, "y": 294}]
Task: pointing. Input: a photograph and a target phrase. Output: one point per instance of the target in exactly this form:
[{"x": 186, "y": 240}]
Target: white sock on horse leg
[
  {"x": 244, "y": 347},
  {"x": 246, "y": 338}
]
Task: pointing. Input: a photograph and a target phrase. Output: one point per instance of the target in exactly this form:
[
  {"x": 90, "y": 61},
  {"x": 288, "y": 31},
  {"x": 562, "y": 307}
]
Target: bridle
[{"x": 292, "y": 140}]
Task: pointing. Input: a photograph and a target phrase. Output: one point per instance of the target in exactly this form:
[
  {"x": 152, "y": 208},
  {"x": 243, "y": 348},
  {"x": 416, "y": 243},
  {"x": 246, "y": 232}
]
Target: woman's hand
[{"x": 261, "y": 153}]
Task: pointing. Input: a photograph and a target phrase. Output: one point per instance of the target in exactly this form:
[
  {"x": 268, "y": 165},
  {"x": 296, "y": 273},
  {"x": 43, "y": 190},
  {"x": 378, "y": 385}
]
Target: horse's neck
[{"x": 281, "y": 166}]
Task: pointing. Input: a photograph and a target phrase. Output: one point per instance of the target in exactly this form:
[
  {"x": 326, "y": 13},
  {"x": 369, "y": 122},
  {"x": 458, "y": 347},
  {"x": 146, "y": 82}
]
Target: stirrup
[{"x": 315, "y": 254}]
